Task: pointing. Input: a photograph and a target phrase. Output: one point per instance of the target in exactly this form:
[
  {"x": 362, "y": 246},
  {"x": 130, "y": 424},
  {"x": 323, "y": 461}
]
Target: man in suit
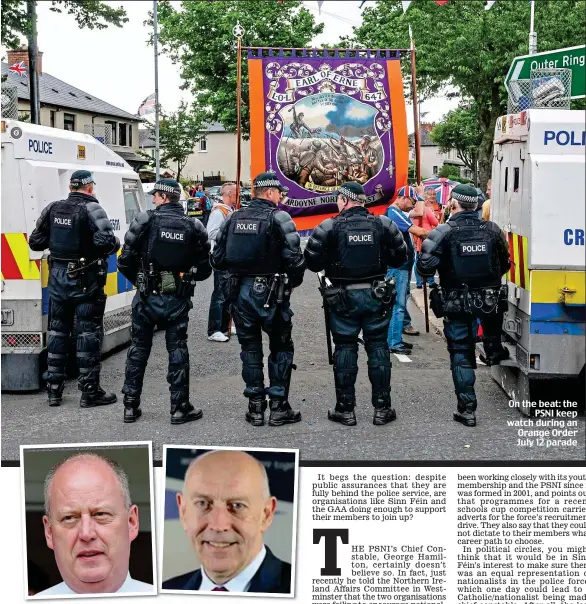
[{"x": 225, "y": 508}]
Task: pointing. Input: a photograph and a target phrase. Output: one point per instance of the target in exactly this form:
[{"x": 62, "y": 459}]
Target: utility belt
[
  {"x": 153, "y": 281},
  {"x": 475, "y": 302},
  {"x": 274, "y": 287},
  {"x": 335, "y": 296},
  {"x": 81, "y": 268}
]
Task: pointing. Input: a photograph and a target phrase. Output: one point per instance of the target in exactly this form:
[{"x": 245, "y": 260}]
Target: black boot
[
  {"x": 97, "y": 399},
  {"x": 55, "y": 394},
  {"x": 256, "y": 411},
  {"x": 347, "y": 417},
  {"x": 496, "y": 357},
  {"x": 383, "y": 413},
  {"x": 185, "y": 412},
  {"x": 281, "y": 413},
  {"x": 465, "y": 415},
  {"x": 132, "y": 409},
  {"x": 344, "y": 411}
]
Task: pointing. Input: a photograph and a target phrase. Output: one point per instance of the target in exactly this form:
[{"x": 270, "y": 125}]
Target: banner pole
[
  {"x": 238, "y": 31},
  {"x": 418, "y": 157}
]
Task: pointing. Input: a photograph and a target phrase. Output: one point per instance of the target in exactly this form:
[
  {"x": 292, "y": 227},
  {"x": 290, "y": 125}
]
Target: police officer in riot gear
[
  {"x": 79, "y": 236},
  {"x": 164, "y": 254},
  {"x": 260, "y": 248},
  {"x": 471, "y": 256},
  {"x": 355, "y": 248}
]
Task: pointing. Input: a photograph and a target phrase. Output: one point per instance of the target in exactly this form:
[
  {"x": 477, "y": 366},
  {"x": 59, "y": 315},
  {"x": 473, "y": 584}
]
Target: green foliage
[
  {"x": 178, "y": 133},
  {"x": 200, "y": 39},
  {"x": 459, "y": 131},
  {"x": 449, "y": 171},
  {"x": 462, "y": 45},
  {"x": 92, "y": 14}
]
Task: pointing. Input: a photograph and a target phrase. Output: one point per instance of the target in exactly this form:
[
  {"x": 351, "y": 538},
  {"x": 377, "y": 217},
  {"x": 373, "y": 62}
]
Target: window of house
[
  {"x": 130, "y": 135},
  {"x": 122, "y": 135},
  {"x": 69, "y": 122},
  {"x": 113, "y": 124},
  {"x": 435, "y": 169},
  {"x": 203, "y": 145},
  {"x": 52, "y": 119}
]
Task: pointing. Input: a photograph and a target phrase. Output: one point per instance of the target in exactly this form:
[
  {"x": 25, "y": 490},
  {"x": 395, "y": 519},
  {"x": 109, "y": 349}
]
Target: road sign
[{"x": 573, "y": 58}]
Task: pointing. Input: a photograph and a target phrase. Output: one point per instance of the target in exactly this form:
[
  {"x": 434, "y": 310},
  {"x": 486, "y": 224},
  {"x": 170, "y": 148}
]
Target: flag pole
[
  {"x": 532, "y": 33},
  {"x": 156, "y": 45},
  {"x": 417, "y": 151},
  {"x": 238, "y": 32}
]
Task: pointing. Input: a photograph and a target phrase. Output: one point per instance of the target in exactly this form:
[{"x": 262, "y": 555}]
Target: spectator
[
  {"x": 428, "y": 221},
  {"x": 486, "y": 205},
  {"x": 408, "y": 200},
  {"x": 219, "y": 315}
]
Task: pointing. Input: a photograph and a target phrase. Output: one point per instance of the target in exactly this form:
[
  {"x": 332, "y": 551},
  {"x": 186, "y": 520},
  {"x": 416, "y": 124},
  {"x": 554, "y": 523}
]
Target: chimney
[{"x": 21, "y": 54}]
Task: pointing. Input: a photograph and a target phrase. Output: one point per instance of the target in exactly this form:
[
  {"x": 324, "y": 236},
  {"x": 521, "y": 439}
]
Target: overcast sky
[{"x": 117, "y": 65}]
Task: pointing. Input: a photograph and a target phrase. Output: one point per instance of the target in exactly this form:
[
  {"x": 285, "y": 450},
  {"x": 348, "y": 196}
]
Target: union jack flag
[
  {"x": 19, "y": 69},
  {"x": 443, "y": 187}
]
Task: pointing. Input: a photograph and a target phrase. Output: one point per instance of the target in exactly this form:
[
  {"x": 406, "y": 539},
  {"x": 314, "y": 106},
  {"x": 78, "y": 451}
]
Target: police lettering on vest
[
  {"x": 172, "y": 236},
  {"x": 360, "y": 239},
  {"x": 247, "y": 227},
  {"x": 473, "y": 248},
  {"x": 62, "y": 221}
]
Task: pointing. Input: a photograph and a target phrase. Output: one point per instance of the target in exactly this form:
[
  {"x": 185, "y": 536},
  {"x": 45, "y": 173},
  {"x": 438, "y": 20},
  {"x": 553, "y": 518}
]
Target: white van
[
  {"x": 538, "y": 199},
  {"x": 37, "y": 163}
]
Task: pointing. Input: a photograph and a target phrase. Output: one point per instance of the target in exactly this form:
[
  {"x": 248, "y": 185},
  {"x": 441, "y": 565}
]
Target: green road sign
[{"x": 573, "y": 58}]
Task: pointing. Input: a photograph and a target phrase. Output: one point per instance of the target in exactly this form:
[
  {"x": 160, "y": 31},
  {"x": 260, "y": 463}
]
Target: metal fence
[
  {"x": 547, "y": 88},
  {"x": 9, "y": 102},
  {"x": 101, "y": 132}
]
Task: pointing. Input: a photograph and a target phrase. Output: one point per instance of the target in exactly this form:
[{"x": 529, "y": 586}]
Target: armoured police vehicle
[
  {"x": 37, "y": 163},
  {"x": 538, "y": 199}
]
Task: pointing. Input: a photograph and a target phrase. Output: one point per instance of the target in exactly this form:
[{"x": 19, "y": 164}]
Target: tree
[
  {"x": 452, "y": 172},
  {"x": 462, "y": 45},
  {"x": 459, "y": 131},
  {"x": 178, "y": 133},
  {"x": 199, "y": 37},
  {"x": 88, "y": 13}
]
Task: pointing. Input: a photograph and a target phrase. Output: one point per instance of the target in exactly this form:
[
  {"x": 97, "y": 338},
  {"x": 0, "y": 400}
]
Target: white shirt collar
[
  {"x": 239, "y": 583},
  {"x": 129, "y": 586}
]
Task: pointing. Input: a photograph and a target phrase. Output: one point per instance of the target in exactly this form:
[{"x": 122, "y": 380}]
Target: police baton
[
  {"x": 426, "y": 310},
  {"x": 323, "y": 281}
]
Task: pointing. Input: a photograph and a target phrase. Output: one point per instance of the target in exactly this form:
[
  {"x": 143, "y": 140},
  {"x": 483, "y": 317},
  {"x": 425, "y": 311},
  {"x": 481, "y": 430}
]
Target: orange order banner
[{"x": 320, "y": 118}]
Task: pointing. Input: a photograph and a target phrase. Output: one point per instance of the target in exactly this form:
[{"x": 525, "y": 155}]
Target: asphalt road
[{"x": 422, "y": 393}]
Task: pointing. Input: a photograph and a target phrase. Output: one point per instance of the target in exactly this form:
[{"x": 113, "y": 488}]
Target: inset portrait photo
[
  {"x": 88, "y": 520},
  {"x": 230, "y": 518}
]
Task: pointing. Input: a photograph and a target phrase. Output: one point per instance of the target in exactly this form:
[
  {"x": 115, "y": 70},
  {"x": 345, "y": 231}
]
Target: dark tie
[{"x": 219, "y": 589}]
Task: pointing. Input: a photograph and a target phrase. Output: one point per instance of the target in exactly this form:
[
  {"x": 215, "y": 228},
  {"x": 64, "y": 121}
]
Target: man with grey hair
[
  {"x": 471, "y": 257},
  {"x": 225, "y": 509},
  {"x": 219, "y": 316},
  {"x": 90, "y": 523}
]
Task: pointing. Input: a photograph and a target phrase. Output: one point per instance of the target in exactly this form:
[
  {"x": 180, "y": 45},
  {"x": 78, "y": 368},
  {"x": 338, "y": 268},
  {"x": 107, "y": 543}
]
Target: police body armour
[
  {"x": 169, "y": 247},
  {"x": 473, "y": 255},
  {"x": 69, "y": 230},
  {"x": 357, "y": 244},
  {"x": 250, "y": 247}
]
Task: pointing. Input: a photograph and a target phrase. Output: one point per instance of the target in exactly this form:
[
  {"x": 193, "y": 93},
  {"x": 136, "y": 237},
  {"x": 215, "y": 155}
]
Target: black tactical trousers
[
  {"x": 251, "y": 319},
  {"x": 88, "y": 314},
  {"x": 372, "y": 317},
  {"x": 460, "y": 332},
  {"x": 171, "y": 314}
]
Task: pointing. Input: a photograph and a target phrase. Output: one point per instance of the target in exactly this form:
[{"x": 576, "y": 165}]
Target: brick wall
[{"x": 21, "y": 54}]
